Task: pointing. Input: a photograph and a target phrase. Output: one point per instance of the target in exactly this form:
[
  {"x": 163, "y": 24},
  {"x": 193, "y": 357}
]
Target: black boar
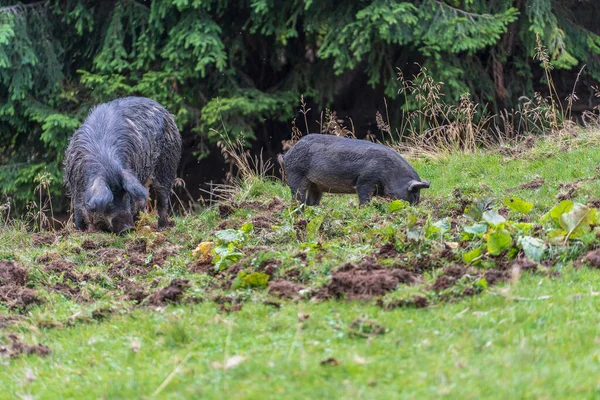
[
  {"x": 121, "y": 149},
  {"x": 327, "y": 163}
]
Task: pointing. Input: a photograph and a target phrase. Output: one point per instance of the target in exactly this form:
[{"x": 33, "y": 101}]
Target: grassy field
[{"x": 336, "y": 301}]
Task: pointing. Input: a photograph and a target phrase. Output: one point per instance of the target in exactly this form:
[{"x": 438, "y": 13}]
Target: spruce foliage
[{"x": 238, "y": 63}]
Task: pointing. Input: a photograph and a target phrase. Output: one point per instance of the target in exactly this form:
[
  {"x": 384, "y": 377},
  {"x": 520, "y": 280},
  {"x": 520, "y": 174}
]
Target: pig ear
[
  {"x": 135, "y": 189},
  {"x": 415, "y": 185},
  {"x": 98, "y": 196}
]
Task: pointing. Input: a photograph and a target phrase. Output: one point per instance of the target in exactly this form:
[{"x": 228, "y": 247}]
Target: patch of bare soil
[
  {"x": 137, "y": 246},
  {"x": 133, "y": 291},
  {"x": 18, "y": 297},
  {"x": 595, "y": 203},
  {"x": 229, "y": 224},
  {"x": 64, "y": 268},
  {"x": 109, "y": 255},
  {"x": 225, "y": 210},
  {"x": 170, "y": 294},
  {"x": 593, "y": 258},
  {"x": 49, "y": 256},
  {"x": 387, "y": 250},
  {"x": 532, "y": 184},
  {"x": 204, "y": 267},
  {"x": 45, "y": 238},
  {"x": 89, "y": 244},
  {"x": 134, "y": 266},
  {"x": 11, "y": 274},
  {"x": 365, "y": 281},
  {"x": 17, "y": 348},
  {"x": 7, "y": 320},
  {"x": 261, "y": 222},
  {"x": 285, "y": 289},
  {"x": 412, "y": 302},
  {"x": 269, "y": 267},
  {"x": 12, "y": 287},
  {"x": 274, "y": 205},
  {"x": 449, "y": 276},
  {"x": 228, "y": 304}
]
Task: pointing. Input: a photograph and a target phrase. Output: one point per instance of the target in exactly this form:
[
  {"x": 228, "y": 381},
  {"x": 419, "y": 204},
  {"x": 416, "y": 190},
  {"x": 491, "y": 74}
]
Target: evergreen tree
[{"x": 238, "y": 65}]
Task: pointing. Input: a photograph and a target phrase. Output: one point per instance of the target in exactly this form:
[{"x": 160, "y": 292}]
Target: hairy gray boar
[
  {"x": 320, "y": 163},
  {"x": 121, "y": 149}
]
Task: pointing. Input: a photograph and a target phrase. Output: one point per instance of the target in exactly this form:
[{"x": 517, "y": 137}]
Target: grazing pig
[
  {"x": 121, "y": 149},
  {"x": 326, "y": 163}
]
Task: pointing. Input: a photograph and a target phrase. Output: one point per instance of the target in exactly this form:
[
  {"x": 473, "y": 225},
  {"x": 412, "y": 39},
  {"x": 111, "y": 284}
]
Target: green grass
[{"x": 535, "y": 338}]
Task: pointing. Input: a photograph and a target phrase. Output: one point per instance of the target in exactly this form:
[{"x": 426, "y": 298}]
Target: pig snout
[{"x": 121, "y": 223}]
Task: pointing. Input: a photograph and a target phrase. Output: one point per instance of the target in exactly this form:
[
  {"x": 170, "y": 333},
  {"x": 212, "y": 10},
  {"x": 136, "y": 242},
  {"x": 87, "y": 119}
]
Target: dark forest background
[{"x": 241, "y": 66}]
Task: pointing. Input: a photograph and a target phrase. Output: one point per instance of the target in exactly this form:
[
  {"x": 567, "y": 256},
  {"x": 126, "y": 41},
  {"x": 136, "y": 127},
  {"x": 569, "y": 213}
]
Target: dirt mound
[
  {"x": 11, "y": 274},
  {"x": 261, "y": 222},
  {"x": 49, "y": 256},
  {"x": 593, "y": 258},
  {"x": 449, "y": 277},
  {"x": 412, "y": 302},
  {"x": 365, "y": 281},
  {"x": 12, "y": 287},
  {"x": 532, "y": 184},
  {"x": 595, "y": 203},
  {"x": 109, "y": 255},
  {"x": 18, "y": 348},
  {"x": 269, "y": 267},
  {"x": 274, "y": 205},
  {"x": 284, "y": 289},
  {"x": 41, "y": 239},
  {"x": 134, "y": 267},
  {"x": 387, "y": 250},
  {"x": 137, "y": 246},
  {"x": 133, "y": 292},
  {"x": 169, "y": 294},
  {"x": 89, "y": 244},
  {"x": 64, "y": 268},
  {"x": 7, "y": 320},
  {"x": 18, "y": 297},
  {"x": 225, "y": 210}
]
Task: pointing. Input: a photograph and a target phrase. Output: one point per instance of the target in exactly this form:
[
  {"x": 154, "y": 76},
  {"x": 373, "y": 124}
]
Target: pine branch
[
  {"x": 457, "y": 11},
  {"x": 21, "y": 7}
]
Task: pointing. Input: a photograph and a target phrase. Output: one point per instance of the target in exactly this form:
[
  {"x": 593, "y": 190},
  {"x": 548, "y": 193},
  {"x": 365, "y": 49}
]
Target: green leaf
[
  {"x": 443, "y": 225},
  {"x": 253, "y": 280},
  {"x": 472, "y": 255},
  {"x": 437, "y": 228},
  {"x": 577, "y": 222},
  {"x": 476, "y": 229},
  {"x": 482, "y": 283},
  {"x": 492, "y": 217},
  {"x": 396, "y": 205},
  {"x": 248, "y": 227},
  {"x": 415, "y": 233},
  {"x": 563, "y": 207},
  {"x": 230, "y": 236},
  {"x": 498, "y": 240},
  {"x": 312, "y": 228},
  {"x": 533, "y": 248},
  {"x": 516, "y": 204},
  {"x": 388, "y": 231},
  {"x": 475, "y": 210}
]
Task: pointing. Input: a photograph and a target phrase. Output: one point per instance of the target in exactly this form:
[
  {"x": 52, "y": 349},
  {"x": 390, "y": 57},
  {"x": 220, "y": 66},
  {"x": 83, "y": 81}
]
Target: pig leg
[
  {"x": 162, "y": 206},
  {"x": 79, "y": 219},
  {"x": 365, "y": 189},
  {"x": 314, "y": 196},
  {"x": 299, "y": 187}
]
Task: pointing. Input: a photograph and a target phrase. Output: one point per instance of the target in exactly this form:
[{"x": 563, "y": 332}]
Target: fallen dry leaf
[
  {"x": 202, "y": 251},
  {"x": 230, "y": 362}
]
